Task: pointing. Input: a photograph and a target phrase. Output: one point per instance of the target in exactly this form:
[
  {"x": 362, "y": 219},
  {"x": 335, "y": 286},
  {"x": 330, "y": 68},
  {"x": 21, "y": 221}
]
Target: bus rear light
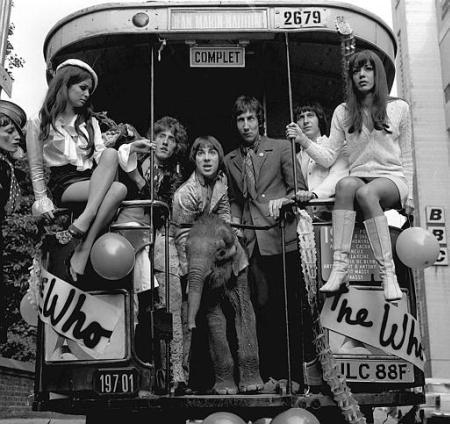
[{"x": 140, "y": 20}]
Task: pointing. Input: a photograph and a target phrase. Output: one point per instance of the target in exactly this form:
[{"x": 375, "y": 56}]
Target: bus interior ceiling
[{"x": 202, "y": 98}]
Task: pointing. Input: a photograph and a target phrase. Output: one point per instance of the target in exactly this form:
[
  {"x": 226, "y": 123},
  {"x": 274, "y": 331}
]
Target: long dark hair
[
  {"x": 380, "y": 93},
  {"x": 56, "y": 101}
]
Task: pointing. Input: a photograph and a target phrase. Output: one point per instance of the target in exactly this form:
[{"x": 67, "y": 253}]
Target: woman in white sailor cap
[{"x": 66, "y": 138}]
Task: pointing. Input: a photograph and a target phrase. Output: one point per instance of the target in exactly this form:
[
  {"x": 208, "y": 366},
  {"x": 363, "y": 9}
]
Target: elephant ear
[
  {"x": 225, "y": 233},
  {"x": 224, "y": 252}
]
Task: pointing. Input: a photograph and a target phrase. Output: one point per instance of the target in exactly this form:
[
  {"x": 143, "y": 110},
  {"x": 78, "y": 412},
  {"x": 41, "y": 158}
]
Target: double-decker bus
[{"x": 191, "y": 60}]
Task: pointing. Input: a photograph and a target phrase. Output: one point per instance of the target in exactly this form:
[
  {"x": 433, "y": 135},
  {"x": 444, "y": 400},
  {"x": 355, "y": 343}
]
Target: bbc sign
[{"x": 436, "y": 225}]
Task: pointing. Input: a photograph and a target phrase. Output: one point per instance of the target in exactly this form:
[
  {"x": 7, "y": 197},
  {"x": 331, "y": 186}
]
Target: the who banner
[
  {"x": 75, "y": 314},
  {"x": 363, "y": 316}
]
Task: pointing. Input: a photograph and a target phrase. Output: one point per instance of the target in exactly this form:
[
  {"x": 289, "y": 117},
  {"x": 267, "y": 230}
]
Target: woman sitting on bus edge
[
  {"x": 321, "y": 181},
  {"x": 373, "y": 131},
  {"x": 66, "y": 137},
  {"x": 170, "y": 147}
]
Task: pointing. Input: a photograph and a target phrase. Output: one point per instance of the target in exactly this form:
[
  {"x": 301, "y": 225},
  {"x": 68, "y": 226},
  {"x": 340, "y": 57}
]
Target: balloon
[
  {"x": 417, "y": 248},
  {"x": 295, "y": 416},
  {"x": 112, "y": 256},
  {"x": 223, "y": 418},
  {"x": 28, "y": 311}
]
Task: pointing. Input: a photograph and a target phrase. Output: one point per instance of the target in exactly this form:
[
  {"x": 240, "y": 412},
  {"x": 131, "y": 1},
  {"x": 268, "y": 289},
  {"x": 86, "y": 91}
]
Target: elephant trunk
[{"x": 196, "y": 281}]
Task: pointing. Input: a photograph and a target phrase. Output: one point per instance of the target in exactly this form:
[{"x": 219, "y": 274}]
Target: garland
[{"x": 338, "y": 386}]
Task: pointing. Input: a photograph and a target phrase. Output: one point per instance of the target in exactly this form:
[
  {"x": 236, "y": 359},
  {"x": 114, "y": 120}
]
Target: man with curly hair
[{"x": 170, "y": 145}]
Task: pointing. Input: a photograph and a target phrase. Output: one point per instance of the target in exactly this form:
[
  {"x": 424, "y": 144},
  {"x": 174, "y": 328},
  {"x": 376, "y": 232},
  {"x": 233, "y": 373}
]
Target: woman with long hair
[
  {"x": 66, "y": 138},
  {"x": 373, "y": 131}
]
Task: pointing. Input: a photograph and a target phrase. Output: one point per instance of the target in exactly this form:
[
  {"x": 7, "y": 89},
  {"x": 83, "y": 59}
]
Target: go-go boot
[
  {"x": 380, "y": 240},
  {"x": 343, "y": 225}
]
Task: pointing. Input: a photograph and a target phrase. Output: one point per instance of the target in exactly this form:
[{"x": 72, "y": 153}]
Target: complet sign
[{"x": 217, "y": 57}]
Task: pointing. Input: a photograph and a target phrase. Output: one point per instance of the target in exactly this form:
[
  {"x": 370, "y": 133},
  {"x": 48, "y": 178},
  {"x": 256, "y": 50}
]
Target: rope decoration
[
  {"x": 337, "y": 383},
  {"x": 34, "y": 282}
]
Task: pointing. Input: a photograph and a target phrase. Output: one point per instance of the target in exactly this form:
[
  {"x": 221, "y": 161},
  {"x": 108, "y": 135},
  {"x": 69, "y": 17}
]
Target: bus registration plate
[
  {"x": 305, "y": 17},
  {"x": 115, "y": 381},
  {"x": 376, "y": 371}
]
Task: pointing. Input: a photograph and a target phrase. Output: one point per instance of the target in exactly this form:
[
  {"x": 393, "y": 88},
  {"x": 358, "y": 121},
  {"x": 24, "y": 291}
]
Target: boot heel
[
  {"x": 336, "y": 283},
  {"x": 391, "y": 290}
]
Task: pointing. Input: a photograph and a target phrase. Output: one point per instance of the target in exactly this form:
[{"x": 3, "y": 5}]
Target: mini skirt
[
  {"x": 62, "y": 177},
  {"x": 399, "y": 181}
]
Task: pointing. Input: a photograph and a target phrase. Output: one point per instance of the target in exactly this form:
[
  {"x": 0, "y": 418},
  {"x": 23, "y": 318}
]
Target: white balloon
[{"x": 28, "y": 311}]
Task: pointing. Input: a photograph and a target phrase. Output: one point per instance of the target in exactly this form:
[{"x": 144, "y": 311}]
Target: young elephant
[{"x": 214, "y": 259}]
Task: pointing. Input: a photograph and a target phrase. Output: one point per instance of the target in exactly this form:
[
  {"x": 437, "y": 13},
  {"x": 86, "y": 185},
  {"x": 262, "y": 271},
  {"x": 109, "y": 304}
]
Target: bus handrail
[{"x": 144, "y": 203}]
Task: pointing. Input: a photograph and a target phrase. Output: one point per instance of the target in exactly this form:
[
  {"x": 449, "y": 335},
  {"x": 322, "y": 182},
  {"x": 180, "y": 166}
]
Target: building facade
[{"x": 422, "y": 29}]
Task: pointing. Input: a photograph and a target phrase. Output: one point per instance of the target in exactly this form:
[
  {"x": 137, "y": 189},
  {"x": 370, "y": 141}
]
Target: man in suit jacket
[{"x": 260, "y": 180}]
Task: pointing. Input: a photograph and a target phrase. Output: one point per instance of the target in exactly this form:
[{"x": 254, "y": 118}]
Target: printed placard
[
  {"x": 363, "y": 266},
  {"x": 439, "y": 232},
  {"x": 75, "y": 314},
  {"x": 443, "y": 257},
  {"x": 435, "y": 215},
  {"x": 217, "y": 57},
  {"x": 367, "y": 318}
]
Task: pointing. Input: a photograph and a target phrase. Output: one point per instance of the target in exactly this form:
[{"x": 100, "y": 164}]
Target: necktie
[
  {"x": 14, "y": 189},
  {"x": 249, "y": 184}
]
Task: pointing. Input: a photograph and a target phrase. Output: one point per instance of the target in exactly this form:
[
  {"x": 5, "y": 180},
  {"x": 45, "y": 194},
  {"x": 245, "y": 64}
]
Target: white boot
[
  {"x": 343, "y": 225},
  {"x": 380, "y": 240}
]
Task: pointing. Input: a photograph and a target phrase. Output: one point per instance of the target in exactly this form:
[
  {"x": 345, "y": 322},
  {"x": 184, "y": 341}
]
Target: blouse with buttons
[{"x": 63, "y": 146}]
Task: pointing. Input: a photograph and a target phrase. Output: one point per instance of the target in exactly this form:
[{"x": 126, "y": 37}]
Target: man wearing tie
[{"x": 260, "y": 180}]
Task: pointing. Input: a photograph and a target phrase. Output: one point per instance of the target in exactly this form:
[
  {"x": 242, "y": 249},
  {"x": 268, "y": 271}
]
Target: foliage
[
  {"x": 13, "y": 60},
  {"x": 21, "y": 240}
]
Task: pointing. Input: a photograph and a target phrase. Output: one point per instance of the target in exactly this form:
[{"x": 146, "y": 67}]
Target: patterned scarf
[
  {"x": 15, "y": 196},
  {"x": 158, "y": 176}
]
